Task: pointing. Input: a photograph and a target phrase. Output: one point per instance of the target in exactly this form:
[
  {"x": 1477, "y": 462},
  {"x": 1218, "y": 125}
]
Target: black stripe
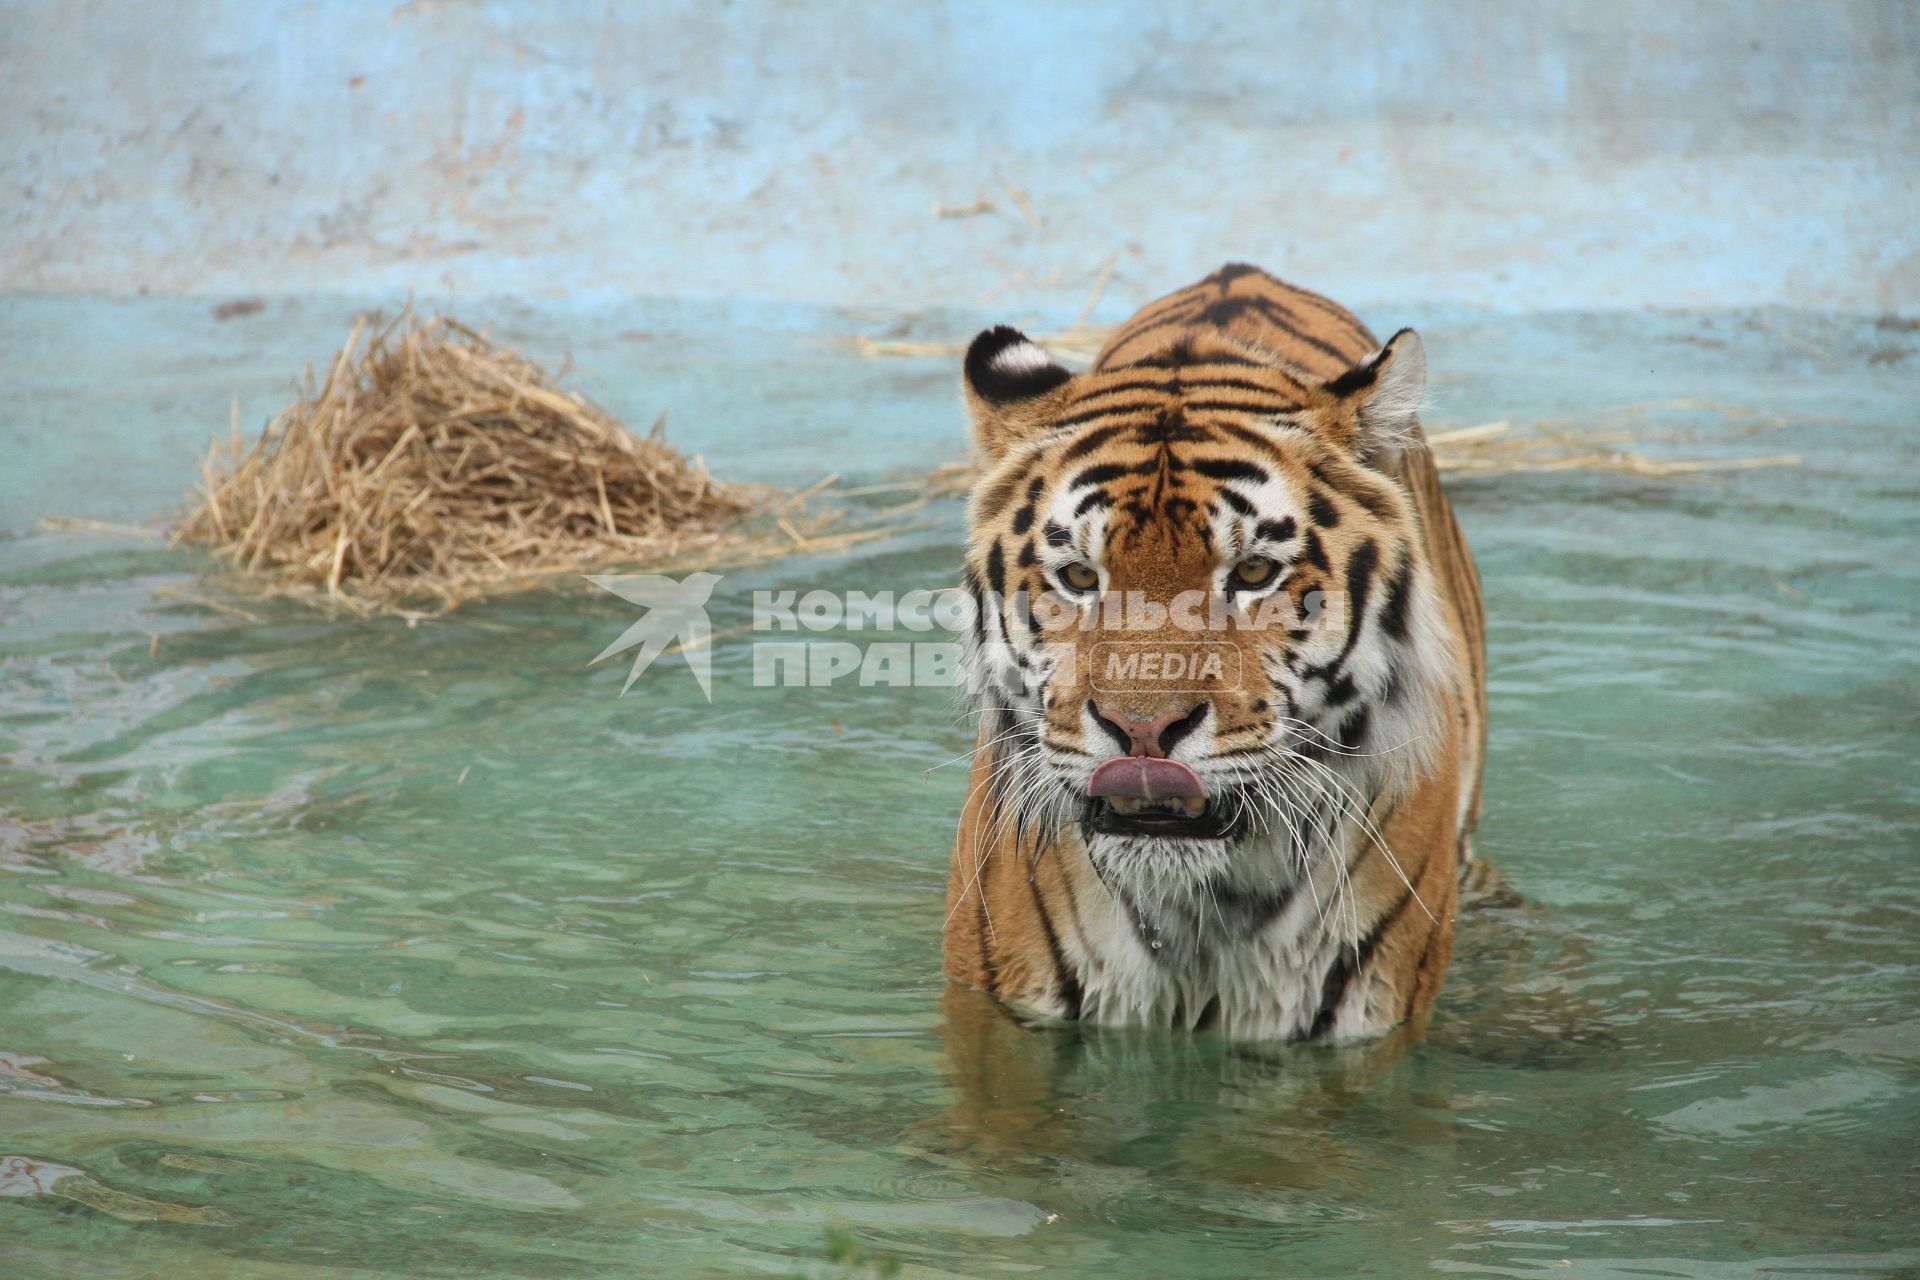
[
  {"x": 1233, "y": 499},
  {"x": 1225, "y": 358},
  {"x": 1254, "y": 911},
  {"x": 1181, "y": 356},
  {"x": 1273, "y": 404},
  {"x": 993, "y": 499},
  {"x": 1107, "y": 411},
  {"x": 1332, "y": 311},
  {"x": 1089, "y": 442},
  {"x": 1358, "y": 378},
  {"x": 1224, "y": 312},
  {"x": 1100, "y": 473},
  {"x": 1231, "y": 469},
  {"x": 1275, "y": 530},
  {"x": 1359, "y": 583},
  {"x": 1350, "y": 964},
  {"x": 1332, "y": 992},
  {"x": 1413, "y": 983},
  {"x": 996, "y": 571},
  {"x": 1352, "y": 731},
  {"x": 1094, "y": 498},
  {"x": 1023, "y": 518},
  {"x": 1373, "y": 498},
  {"x": 1190, "y": 384},
  {"x": 1393, "y": 610},
  {"x": 1169, "y": 426},
  {"x": 1285, "y": 319},
  {"x": 1139, "y": 338},
  {"x": 1256, "y": 438},
  {"x": 1315, "y": 553},
  {"x": 1367, "y": 495},
  {"x": 1119, "y": 385},
  {"x": 1058, "y": 535},
  {"x": 1070, "y": 993},
  {"x": 1321, "y": 511},
  {"x": 979, "y": 602}
]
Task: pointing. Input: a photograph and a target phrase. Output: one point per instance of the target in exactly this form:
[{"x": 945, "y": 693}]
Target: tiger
[{"x": 1268, "y": 845}]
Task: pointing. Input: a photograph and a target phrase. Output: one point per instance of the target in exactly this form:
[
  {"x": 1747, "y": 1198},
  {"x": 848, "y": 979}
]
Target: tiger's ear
[
  {"x": 1013, "y": 387},
  {"x": 1382, "y": 396}
]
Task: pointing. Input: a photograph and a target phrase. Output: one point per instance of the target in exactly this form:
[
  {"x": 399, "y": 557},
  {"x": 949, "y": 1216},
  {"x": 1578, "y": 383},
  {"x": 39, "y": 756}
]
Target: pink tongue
[{"x": 1146, "y": 779}]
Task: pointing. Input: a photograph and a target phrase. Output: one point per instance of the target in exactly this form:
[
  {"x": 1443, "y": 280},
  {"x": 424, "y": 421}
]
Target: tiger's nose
[{"x": 1154, "y": 736}]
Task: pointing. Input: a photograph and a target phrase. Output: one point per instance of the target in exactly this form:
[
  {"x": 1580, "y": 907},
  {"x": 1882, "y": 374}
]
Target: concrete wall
[{"x": 1516, "y": 155}]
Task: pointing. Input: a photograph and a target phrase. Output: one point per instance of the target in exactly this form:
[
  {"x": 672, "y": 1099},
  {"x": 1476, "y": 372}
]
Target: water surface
[{"x": 332, "y": 947}]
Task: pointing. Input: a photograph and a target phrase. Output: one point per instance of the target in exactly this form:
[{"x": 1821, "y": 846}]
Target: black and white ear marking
[
  {"x": 1004, "y": 366},
  {"x": 1391, "y": 385}
]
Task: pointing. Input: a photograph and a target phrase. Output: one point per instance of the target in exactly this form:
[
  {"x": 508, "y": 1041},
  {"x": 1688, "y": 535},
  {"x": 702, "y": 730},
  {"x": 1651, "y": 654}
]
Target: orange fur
[{"x": 1238, "y": 367}]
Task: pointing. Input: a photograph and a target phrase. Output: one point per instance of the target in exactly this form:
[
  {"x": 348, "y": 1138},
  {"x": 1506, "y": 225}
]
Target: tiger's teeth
[{"x": 1193, "y": 807}]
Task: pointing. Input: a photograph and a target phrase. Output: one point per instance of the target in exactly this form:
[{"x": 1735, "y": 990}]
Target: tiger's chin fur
[{"x": 1270, "y": 844}]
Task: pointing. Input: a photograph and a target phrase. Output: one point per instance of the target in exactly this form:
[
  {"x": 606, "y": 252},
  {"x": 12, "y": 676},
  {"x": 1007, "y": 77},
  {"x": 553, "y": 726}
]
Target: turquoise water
[{"x": 346, "y": 948}]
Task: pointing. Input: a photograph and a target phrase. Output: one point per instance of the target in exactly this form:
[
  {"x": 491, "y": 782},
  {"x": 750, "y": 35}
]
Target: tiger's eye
[
  {"x": 1080, "y": 576},
  {"x": 1255, "y": 571}
]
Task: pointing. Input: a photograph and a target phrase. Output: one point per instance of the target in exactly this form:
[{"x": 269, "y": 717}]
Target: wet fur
[{"x": 1238, "y": 409}]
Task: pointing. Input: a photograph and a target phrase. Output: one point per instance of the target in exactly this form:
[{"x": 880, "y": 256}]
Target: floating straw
[{"x": 431, "y": 466}]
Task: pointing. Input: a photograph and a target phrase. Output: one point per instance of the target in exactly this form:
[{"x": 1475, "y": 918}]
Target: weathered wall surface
[{"x": 1612, "y": 154}]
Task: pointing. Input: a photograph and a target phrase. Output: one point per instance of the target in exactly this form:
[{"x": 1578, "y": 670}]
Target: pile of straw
[{"x": 431, "y": 466}]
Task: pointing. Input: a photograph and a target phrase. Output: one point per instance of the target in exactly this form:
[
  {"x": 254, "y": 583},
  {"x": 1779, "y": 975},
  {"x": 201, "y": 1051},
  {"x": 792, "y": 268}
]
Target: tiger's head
[{"x": 1204, "y": 631}]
